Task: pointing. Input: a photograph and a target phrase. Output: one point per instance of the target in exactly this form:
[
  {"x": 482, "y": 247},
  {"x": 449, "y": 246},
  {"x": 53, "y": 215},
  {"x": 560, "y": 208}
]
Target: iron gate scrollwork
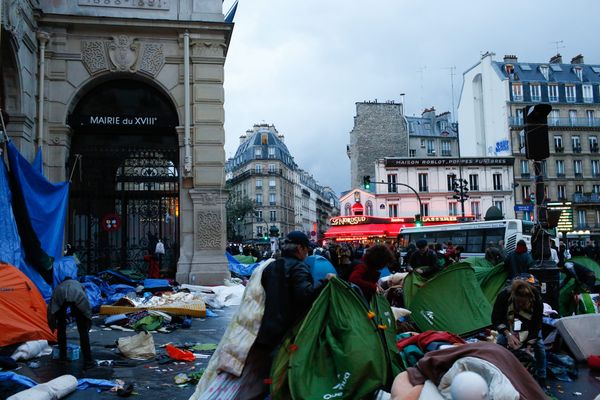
[{"x": 140, "y": 185}]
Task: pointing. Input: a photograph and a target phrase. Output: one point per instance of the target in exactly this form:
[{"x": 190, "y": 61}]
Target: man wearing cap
[{"x": 424, "y": 261}]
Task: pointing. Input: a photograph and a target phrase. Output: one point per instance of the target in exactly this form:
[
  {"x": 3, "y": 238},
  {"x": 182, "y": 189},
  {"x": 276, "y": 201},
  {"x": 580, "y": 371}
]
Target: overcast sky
[{"x": 302, "y": 65}]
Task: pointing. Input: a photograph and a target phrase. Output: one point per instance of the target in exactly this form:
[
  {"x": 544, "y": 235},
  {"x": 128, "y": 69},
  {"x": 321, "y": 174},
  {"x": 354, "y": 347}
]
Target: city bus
[{"x": 472, "y": 236}]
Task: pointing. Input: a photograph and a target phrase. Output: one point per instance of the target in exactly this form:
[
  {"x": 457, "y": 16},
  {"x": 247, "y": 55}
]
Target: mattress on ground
[
  {"x": 195, "y": 309},
  {"x": 581, "y": 333}
]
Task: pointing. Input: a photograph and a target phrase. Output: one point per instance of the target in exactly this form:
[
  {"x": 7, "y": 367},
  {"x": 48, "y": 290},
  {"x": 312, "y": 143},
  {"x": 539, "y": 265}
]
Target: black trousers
[{"x": 83, "y": 326}]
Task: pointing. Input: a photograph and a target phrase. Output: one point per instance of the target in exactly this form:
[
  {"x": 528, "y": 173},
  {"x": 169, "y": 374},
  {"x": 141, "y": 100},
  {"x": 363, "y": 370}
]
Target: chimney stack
[
  {"x": 510, "y": 58},
  {"x": 578, "y": 59},
  {"x": 557, "y": 59}
]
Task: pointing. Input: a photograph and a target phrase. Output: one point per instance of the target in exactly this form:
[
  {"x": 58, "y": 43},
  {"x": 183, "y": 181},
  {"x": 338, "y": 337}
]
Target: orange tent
[{"x": 22, "y": 309}]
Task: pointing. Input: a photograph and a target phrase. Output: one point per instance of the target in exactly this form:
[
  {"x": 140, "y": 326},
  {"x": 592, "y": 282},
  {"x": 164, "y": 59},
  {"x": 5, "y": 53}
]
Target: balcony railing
[
  {"x": 559, "y": 149},
  {"x": 586, "y": 198},
  {"x": 576, "y": 149},
  {"x": 562, "y": 121},
  {"x": 446, "y": 153}
]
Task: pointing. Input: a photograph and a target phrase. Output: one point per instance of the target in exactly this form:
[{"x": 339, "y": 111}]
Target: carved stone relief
[
  {"x": 14, "y": 19},
  {"x": 153, "y": 58},
  {"x": 93, "y": 55},
  {"x": 208, "y": 49},
  {"x": 122, "y": 54},
  {"x": 208, "y": 227}
]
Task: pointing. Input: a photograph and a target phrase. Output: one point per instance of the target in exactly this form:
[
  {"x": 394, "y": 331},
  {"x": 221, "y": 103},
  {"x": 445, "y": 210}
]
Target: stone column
[{"x": 208, "y": 196}]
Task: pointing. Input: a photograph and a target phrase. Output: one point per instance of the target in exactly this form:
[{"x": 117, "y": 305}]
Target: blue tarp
[
  {"x": 238, "y": 268},
  {"x": 46, "y": 201}
]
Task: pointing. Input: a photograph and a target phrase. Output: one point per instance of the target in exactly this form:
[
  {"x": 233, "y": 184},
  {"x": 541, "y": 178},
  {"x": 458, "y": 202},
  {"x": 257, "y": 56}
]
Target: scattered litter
[
  {"x": 577, "y": 393},
  {"x": 33, "y": 364},
  {"x": 178, "y": 354},
  {"x": 204, "y": 347},
  {"x": 181, "y": 378},
  {"x": 200, "y": 355}
]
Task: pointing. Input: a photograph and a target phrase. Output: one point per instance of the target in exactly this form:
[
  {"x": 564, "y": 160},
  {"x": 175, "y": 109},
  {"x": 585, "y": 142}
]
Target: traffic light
[
  {"x": 461, "y": 187},
  {"x": 537, "y": 143},
  {"x": 418, "y": 221},
  {"x": 367, "y": 182}
]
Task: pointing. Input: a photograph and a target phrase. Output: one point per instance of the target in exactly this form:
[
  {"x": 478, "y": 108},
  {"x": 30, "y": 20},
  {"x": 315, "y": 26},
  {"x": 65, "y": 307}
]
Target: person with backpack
[
  {"x": 518, "y": 261},
  {"x": 366, "y": 274}
]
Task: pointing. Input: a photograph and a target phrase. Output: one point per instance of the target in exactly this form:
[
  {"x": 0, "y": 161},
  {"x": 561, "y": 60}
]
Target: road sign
[{"x": 524, "y": 207}]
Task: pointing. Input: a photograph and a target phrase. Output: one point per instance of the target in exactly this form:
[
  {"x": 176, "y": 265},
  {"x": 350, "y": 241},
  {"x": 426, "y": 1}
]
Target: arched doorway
[{"x": 125, "y": 182}]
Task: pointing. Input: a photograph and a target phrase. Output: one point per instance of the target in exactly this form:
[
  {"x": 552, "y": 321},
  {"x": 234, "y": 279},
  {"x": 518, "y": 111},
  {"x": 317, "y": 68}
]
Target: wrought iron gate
[{"x": 123, "y": 200}]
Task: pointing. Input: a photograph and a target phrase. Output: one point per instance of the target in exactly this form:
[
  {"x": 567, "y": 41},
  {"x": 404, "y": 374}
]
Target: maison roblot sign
[{"x": 444, "y": 162}]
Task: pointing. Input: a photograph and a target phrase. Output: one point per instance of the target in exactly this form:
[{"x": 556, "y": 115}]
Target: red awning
[{"x": 387, "y": 230}]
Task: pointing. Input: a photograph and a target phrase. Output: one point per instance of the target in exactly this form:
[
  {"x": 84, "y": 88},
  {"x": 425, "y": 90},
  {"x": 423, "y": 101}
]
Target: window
[
  {"x": 476, "y": 209},
  {"x": 273, "y": 215},
  {"x": 553, "y": 93},
  {"x": 525, "y": 192},
  {"x": 259, "y": 184},
  {"x": 271, "y": 152},
  {"x": 560, "y": 168},
  {"x": 423, "y": 183},
  {"x": 590, "y": 117},
  {"x": 578, "y": 188},
  {"x": 578, "y": 72},
  {"x": 422, "y": 143},
  {"x": 347, "y": 209},
  {"x": 453, "y": 208},
  {"x": 474, "y": 182},
  {"x": 588, "y": 94},
  {"x": 581, "y": 218},
  {"x": 391, "y": 179},
  {"x": 519, "y": 116},
  {"x": 411, "y": 127},
  {"x": 576, "y": 143},
  {"x": 393, "y": 210},
  {"x": 570, "y": 93},
  {"x": 271, "y": 168},
  {"x": 517, "y": 92},
  {"x": 369, "y": 207},
  {"x": 595, "y": 168},
  {"x": 500, "y": 205},
  {"x": 446, "y": 148},
  {"x": 595, "y": 188},
  {"x": 593, "y": 144},
  {"x": 497, "y": 178},
  {"x": 554, "y": 117},
  {"x": 272, "y": 184},
  {"x": 259, "y": 230},
  {"x": 561, "y": 192},
  {"x": 424, "y": 209},
  {"x": 577, "y": 167},
  {"x": 544, "y": 71},
  {"x": 258, "y": 214},
  {"x": 535, "y": 90},
  {"x": 412, "y": 153},
  {"x": 258, "y": 168},
  {"x": 272, "y": 199},
  {"x": 430, "y": 147},
  {"x": 443, "y": 125},
  {"x": 522, "y": 141},
  {"x": 259, "y": 199},
  {"x": 558, "y": 144},
  {"x": 524, "y": 167},
  {"x": 450, "y": 181},
  {"x": 257, "y": 152},
  {"x": 572, "y": 117}
]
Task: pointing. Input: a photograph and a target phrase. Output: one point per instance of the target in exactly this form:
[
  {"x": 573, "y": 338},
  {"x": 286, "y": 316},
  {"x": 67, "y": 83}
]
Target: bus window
[
  {"x": 459, "y": 238},
  {"x": 475, "y": 244},
  {"x": 493, "y": 236}
]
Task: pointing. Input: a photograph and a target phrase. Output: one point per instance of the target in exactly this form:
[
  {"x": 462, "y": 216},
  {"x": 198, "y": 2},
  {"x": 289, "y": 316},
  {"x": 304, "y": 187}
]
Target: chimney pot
[
  {"x": 578, "y": 59},
  {"x": 557, "y": 59},
  {"x": 510, "y": 58}
]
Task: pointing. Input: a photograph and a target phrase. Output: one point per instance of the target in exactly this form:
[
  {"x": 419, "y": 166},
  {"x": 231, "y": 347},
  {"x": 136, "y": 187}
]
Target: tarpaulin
[
  {"x": 46, "y": 202},
  {"x": 239, "y": 268}
]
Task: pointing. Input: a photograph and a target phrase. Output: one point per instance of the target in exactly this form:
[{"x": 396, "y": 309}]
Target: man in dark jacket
[
  {"x": 71, "y": 294},
  {"x": 424, "y": 261},
  {"x": 289, "y": 293},
  {"x": 518, "y": 261}
]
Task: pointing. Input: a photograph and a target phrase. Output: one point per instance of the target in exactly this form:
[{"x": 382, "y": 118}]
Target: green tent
[
  {"x": 566, "y": 300},
  {"x": 338, "y": 351},
  {"x": 451, "y": 301}
]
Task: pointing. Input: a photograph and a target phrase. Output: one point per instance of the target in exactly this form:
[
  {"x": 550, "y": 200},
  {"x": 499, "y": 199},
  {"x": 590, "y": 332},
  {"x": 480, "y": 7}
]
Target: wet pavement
[{"x": 152, "y": 379}]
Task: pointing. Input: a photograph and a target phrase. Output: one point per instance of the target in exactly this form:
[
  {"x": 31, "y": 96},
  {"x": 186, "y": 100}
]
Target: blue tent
[{"x": 319, "y": 267}]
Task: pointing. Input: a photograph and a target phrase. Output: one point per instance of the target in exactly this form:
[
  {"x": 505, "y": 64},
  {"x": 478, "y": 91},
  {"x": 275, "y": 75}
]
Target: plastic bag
[
  {"x": 138, "y": 347},
  {"x": 160, "y": 248},
  {"x": 178, "y": 354}
]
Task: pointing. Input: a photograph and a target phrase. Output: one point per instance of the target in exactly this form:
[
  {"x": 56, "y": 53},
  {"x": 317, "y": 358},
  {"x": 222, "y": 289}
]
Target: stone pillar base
[{"x": 208, "y": 273}]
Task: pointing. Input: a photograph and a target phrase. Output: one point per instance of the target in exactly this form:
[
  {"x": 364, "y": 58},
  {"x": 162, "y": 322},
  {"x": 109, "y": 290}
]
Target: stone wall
[{"x": 379, "y": 131}]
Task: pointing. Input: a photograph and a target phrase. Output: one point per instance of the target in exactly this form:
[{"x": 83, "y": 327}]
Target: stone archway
[{"x": 124, "y": 161}]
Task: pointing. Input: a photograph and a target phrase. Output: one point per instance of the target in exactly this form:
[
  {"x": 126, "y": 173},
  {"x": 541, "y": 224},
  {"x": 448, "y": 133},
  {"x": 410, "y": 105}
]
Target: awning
[{"x": 381, "y": 230}]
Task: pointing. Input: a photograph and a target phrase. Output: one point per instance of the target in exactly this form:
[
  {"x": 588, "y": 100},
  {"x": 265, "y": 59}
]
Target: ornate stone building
[{"x": 125, "y": 99}]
